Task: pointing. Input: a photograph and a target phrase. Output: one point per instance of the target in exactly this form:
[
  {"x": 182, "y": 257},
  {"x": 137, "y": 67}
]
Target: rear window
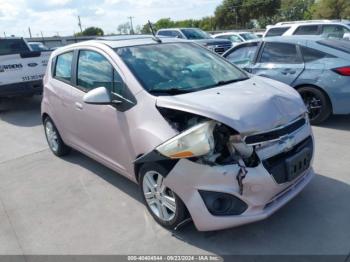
[
  {"x": 12, "y": 46},
  {"x": 277, "y": 31},
  {"x": 307, "y": 30},
  {"x": 341, "y": 45}
]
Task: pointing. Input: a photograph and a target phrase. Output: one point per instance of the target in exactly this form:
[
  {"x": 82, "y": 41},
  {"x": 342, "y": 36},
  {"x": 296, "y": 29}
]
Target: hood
[
  {"x": 255, "y": 105},
  {"x": 213, "y": 41}
]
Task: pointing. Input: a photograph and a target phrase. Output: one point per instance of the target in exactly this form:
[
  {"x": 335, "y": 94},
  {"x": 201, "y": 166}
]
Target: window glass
[
  {"x": 94, "y": 70},
  {"x": 341, "y": 45},
  {"x": 334, "y": 31},
  {"x": 311, "y": 54},
  {"x": 177, "y": 67},
  {"x": 164, "y": 33},
  {"x": 307, "y": 30},
  {"x": 243, "y": 55},
  {"x": 64, "y": 66},
  {"x": 12, "y": 46},
  {"x": 235, "y": 39},
  {"x": 280, "y": 53},
  {"x": 277, "y": 31},
  {"x": 248, "y": 36},
  {"x": 193, "y": 34}
]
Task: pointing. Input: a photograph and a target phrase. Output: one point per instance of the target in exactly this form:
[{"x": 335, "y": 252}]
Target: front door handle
[
  {"x": 78, "y": 106},
  {"x": 288, "y": 71}
]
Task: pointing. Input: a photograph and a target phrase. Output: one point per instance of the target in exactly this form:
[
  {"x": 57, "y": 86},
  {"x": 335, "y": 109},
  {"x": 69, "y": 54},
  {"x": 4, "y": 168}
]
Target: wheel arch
[{"x": 297, "y": 87}]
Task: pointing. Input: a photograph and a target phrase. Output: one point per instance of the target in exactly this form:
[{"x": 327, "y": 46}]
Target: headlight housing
[{"x": 196, "y": 141}]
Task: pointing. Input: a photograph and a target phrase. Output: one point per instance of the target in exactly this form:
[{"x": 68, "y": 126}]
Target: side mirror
[{"x": 100, "y": 96}]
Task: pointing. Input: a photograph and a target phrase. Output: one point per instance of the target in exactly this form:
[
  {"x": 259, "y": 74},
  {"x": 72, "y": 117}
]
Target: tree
[
  {"x": 331, "y": 9},
  {"x": 292, "y": 10},
  {"x": 91, "y": 31},
  {"x": 124, "y": 29}
]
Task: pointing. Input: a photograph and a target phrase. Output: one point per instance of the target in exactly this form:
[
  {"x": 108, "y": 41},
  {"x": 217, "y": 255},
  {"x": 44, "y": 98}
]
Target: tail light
[{"x": 344, "y": 71}]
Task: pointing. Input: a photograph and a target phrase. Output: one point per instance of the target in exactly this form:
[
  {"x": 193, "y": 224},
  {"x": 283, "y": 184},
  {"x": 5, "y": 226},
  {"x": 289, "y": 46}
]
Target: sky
[{"x": 60, "y": 16}]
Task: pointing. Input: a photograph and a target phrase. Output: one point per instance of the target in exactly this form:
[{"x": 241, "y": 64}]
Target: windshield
[
  {"x": 193, "y": 34},
  {"x": 177, "y": 68},
  {"x": 248, "y": 36}
]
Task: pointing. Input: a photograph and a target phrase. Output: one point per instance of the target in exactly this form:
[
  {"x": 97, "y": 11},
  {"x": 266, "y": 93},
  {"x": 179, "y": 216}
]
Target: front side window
[
  {"x": 280, "y": 53},
  {"x": 165, "y": 33},
  {"x": 243, "y": 55},
  {"x": 193, "y": 34},
  {"x": 307, "y": 30},
  {"x": 178, "y": 67},
  {"x": 63, "y": 69},
  {"x": 94, "y": 70}
]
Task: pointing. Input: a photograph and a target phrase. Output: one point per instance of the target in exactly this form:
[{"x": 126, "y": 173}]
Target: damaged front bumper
[{"x": 262, "y": 194}]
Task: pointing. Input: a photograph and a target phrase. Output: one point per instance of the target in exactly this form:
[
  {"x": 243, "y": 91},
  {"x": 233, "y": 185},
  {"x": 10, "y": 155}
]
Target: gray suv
[{"x": 219, "y": 46}]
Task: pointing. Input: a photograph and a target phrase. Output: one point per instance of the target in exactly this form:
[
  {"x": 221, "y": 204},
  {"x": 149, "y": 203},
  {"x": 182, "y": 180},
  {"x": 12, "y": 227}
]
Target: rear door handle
[
  {"x": 288, "y": 71},
  {"x": 78, "y": 106}
]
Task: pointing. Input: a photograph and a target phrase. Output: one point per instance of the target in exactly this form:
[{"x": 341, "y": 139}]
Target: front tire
[
  {"x": 163, "y": 204},
  {"x": 56, "y": 144},
  {"x": 317, "y": 103}
]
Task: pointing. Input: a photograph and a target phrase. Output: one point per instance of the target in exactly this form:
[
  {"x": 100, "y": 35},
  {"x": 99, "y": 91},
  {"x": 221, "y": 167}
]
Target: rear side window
[
  {"x": 341, "y": 45},
  {"x": 94, "y": 70},
  {"x": 63, "y": 70},
  {"x": 310, "y": 54},
  {"x": 277, "y": 31},
  {"x": 280, "y": 53},
  {"x": 12, "y": 46},
  {"x": 307, "y": 30}
]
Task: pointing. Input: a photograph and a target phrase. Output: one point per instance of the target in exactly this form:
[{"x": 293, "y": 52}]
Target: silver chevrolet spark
[{"x": 203, "y": 139}]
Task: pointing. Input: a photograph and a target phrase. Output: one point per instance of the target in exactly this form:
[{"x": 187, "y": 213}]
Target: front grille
[
  {"x": 275, "y": 134},
  {"x": 276, "y": 165}
]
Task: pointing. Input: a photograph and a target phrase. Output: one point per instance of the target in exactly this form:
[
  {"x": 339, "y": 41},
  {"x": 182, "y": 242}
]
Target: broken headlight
[{"x": 195, "y": 142}]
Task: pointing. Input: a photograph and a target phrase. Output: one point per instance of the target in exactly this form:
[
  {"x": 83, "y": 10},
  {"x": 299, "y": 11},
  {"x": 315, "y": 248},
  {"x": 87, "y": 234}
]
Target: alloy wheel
[
  {"x": 52, "y": 136},
  {"x": 160, "y": 199},
  {"x": 313, "y": 104}
]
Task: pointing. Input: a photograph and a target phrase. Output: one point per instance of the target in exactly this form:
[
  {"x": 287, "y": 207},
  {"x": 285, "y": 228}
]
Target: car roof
[
  {"x": 122, "y": 41},
  {"x": 179, "y": 28},
  {"x": 291, "y": 24}
]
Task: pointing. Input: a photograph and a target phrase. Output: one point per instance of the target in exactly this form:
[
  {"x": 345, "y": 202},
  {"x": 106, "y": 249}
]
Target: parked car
[
  {"x": 21, "y": 69},
  {"x": 236, "y": 37},
  {"x": 326, "y": 28},
  {"x": 319, "y": 69},
  {"x": 199, "y": 136},
  {"x": 198, "y": 36},
  {"x": 259, "y": 34},
  {"x": 38, "y": 46}
]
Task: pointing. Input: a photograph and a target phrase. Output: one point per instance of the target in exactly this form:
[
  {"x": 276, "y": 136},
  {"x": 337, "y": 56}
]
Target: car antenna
[{"x": 155, "y": 38}]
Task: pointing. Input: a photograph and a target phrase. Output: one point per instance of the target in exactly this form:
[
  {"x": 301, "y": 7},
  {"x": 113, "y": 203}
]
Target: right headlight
[{"x": 196, "y": 141}]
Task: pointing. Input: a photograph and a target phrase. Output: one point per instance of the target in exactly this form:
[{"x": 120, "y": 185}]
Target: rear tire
[
  {"x": 56, "y": 144},
  {"x": 163, "y": 204},
  {"x": 317, "y": 103}
]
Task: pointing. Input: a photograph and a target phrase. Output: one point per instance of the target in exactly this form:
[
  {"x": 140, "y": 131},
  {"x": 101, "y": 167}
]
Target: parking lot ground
[{"x": 74, "y": 205}]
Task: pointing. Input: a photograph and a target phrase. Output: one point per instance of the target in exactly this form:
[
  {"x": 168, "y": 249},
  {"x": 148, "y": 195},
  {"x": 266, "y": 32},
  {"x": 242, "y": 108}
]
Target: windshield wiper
[
  {"x": 170, "y": 91},
  {"x": 221, "y": 83}
]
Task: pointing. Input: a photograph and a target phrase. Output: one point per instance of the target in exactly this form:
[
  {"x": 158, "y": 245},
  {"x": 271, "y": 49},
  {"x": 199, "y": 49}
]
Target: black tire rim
[{"x": 313, "y": 104}]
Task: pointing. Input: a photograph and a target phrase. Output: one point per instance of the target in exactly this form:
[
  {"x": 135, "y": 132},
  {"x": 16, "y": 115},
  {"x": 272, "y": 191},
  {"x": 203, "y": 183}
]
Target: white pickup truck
[{"x": 21, "y": 69}]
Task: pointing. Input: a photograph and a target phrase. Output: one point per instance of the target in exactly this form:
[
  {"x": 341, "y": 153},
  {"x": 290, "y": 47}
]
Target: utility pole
[
  {"x": 79, "y": 24},
  {"x": 42, "y": 36},
  {"x": 131, "y": 25},
  {"x": 4, "y": 34},
  {"x": 30, "y": 32}
]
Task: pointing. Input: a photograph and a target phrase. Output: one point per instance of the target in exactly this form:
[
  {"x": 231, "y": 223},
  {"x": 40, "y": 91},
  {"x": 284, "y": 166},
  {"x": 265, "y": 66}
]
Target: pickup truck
[{"x": 21, "y": 69}]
